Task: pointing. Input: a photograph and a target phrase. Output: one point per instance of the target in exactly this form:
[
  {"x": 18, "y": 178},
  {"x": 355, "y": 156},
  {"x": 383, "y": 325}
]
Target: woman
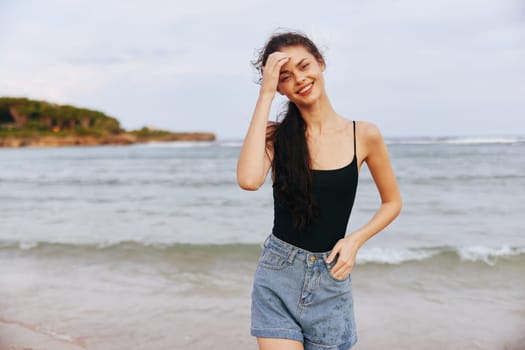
[{"x": 302, "y": 292}]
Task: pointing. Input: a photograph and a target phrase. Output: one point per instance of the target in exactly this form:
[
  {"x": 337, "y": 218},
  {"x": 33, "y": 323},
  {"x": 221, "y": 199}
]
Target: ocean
[{"x": 154, "y": 246}]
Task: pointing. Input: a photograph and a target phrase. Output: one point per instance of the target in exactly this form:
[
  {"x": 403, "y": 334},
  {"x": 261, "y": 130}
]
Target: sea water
[{"x": 154, "y": 246}]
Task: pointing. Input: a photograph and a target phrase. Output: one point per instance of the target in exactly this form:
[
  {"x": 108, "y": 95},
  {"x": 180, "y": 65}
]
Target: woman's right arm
[{"x": 256, "y": 156}]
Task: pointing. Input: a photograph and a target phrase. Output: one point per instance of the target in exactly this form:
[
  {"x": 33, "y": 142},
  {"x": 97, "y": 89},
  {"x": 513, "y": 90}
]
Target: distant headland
[{"x": 25, "y": 122}]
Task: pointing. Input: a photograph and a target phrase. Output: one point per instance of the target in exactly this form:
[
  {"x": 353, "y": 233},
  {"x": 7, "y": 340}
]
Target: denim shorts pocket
[
  {"x": 329, "y": 272},
  {"x": 273, "y": 259},
  {"x": 337, "y": 280}
]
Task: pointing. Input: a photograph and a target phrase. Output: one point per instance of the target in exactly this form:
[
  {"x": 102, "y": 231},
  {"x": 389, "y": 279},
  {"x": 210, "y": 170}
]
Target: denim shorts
[{"x": 295, "y": 296}]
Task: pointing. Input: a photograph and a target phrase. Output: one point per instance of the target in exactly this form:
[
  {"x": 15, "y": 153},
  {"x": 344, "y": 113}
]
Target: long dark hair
[{"x": 291, "y": 164}]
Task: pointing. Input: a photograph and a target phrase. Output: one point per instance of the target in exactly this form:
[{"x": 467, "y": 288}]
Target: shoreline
[
  {"x": 117, "y": 139},
  {"x": 16, "y": 335}
]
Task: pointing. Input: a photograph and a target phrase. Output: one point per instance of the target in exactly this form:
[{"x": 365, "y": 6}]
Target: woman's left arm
[{"x": 375, "y": 154}]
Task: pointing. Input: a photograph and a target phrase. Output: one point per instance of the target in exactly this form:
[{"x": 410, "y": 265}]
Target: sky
[{"x": 414, "y": 68}]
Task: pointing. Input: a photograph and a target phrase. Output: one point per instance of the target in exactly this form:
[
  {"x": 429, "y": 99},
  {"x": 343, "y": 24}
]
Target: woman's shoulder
[{"x": 367, "y": 131}]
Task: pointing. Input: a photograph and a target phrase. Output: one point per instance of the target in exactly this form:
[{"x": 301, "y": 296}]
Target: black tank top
[{"x": 334, "y": 191}]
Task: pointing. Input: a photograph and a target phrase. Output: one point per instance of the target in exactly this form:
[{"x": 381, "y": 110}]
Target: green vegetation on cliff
[
  {"x": 147, "y": 132},
  {"x": 25, "y": 122},
  {"x": 26, "y": 118}
]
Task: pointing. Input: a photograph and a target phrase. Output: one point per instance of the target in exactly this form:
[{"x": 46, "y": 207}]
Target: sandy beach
[{"x": 388, "y": 317}]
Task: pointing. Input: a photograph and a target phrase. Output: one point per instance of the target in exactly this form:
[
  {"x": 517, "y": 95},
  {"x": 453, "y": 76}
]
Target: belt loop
[
  {"x": 292, "y": 255},
  {"x": 265, "y": 243}
]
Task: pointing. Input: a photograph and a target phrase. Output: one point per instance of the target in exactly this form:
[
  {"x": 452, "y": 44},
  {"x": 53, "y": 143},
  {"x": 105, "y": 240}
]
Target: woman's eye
[
  {"x": 283, "y": 79},
  {"x": 305, "y": 65}
]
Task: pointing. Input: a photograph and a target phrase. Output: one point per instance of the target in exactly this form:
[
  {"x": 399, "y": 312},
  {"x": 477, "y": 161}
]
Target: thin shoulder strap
[{"x": 355, "y": 154}]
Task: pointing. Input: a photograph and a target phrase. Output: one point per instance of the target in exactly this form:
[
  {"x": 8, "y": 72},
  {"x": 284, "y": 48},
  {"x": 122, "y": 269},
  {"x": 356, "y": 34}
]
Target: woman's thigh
[{"x": 279, "y": 343}]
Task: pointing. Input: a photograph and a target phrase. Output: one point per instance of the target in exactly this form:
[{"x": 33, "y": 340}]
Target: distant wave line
[
  {"x": 389, "y": 256},
  {"x": 425, "y": 140},
  {"x": 457, "y": 140}
]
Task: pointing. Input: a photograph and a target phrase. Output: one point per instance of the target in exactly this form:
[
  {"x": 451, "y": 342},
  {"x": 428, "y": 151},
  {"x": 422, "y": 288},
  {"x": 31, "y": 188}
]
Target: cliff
[{"x": 25, "y": 122}]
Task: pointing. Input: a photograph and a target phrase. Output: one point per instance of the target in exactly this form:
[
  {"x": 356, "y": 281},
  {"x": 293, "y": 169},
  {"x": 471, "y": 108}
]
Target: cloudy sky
[{"x": 412, "y": 67}]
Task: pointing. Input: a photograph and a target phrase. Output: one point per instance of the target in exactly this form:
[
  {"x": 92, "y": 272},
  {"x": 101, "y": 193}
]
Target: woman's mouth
[{"x": 306, "y": 90}]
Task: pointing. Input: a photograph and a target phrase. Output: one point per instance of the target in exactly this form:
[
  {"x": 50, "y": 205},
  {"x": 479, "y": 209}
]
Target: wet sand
[
  {"x": 16, "y": 335},
  {"x": 440, "y": 305}
]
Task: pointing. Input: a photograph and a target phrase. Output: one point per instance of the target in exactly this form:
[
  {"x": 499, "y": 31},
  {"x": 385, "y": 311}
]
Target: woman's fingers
[
  {"x": 334, "y": 252},
  {"x": 341, "y": 269},
  {"x": 276, "y": 58},
  {"x": 272, "y": 69},
  {"x": 345, "y": 260}
]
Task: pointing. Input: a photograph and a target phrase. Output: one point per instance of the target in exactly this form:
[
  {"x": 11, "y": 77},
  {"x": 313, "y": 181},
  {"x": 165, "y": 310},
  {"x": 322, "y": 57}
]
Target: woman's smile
[{"x": 305, "y": 90}]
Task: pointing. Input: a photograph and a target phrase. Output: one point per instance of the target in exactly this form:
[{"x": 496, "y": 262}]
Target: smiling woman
[
  {"x": 307, "y": 71},
  {"x": 302, "y": 291}
]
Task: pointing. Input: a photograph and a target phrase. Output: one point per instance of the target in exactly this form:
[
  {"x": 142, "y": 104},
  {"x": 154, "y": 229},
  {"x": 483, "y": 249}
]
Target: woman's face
[{"x": 301, "y": 78}]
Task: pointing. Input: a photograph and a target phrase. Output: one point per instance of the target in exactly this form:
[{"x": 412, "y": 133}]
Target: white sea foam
[
  {"x": 427, "y": 140},
  {"x": 58, "y": 336},
  {"x": 485, "y": 254},
  {"x": 393, "y": 256},
  {"x": 480, "y": 140},
  {"x": 176, "y": 144},
  {"x": 488, "y": 254},
  {"x": 379, "y": 255},
  {"x": 231, "y": 143},
  {"x": 27, "y": 245}
]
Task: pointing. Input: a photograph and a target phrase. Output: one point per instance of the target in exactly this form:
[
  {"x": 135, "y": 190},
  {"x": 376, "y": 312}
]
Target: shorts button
[{"x": 312, "y": 258}]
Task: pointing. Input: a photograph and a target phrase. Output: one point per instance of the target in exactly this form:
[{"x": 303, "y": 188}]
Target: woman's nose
[{"x": 299, "y": 79}]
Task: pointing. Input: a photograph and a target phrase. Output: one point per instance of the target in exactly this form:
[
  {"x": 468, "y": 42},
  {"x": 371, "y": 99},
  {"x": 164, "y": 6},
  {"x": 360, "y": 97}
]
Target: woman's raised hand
[{"x": 271, "y": 69}]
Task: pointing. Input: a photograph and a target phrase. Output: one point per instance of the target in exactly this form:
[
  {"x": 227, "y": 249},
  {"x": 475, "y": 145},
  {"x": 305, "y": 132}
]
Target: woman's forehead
[
  {"x": 297, "y": 54},
  {"x": 296, "y": 51}
]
